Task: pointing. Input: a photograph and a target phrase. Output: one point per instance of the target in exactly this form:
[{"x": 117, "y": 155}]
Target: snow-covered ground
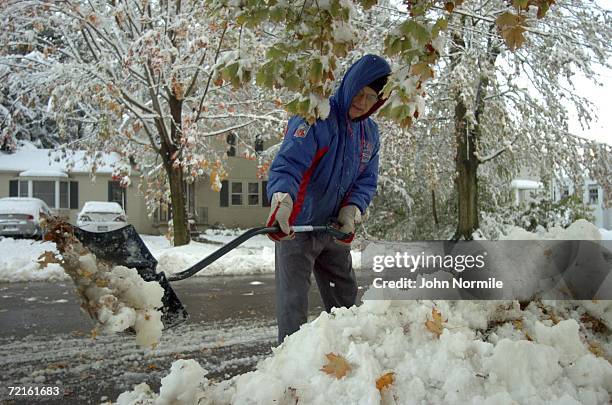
[
  {"x": 18, "y": 257},
  {"x": 18, "y": 261},
  {"x": 256, "y": 256},
  {"x": 414, "y": 352}
]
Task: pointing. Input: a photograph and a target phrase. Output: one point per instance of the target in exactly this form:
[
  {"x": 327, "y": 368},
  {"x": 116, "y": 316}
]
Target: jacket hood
[{"x": 363, "y": 72}]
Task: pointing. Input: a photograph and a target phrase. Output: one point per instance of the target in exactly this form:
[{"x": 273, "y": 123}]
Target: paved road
[{"x": 45, "y": 338}]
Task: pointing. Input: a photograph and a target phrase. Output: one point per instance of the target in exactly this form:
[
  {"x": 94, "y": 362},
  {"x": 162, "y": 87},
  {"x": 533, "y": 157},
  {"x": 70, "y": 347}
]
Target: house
[
  {"x": 592, "y": 197},
  {"x": 45, "y": 174}
]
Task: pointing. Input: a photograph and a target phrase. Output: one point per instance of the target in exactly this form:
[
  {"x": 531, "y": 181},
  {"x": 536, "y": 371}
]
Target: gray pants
[{"x": 295, "y": 260}]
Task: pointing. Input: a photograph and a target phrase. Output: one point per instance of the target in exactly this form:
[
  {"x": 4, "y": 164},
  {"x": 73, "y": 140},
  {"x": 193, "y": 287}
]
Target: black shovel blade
[
  {"x": 124, "y": 247},
  {"x": 173, "y": 311}
]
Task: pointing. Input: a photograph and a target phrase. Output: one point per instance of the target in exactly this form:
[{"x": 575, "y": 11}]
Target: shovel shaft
[{"x": 234, "y": 243}]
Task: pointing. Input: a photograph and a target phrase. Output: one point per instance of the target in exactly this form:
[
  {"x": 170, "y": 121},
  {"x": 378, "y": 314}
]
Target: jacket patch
[
  {"x": 366, "y": 154},
  {"x": 302, "y": 130}
]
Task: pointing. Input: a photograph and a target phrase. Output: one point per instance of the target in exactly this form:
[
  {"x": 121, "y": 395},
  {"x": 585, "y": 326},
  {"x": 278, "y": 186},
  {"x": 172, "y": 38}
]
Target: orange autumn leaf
[
  {"x": 434, "y": 325},
  {"x": 385, "y": 380},
  {"x": 47, "y": 258},
  {"x": 336, "y": 365},
  {"x": 514, "y": 37}
]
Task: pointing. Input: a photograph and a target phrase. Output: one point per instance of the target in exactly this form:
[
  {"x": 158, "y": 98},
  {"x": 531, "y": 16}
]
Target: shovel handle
[{"x": 234, "y": 243}]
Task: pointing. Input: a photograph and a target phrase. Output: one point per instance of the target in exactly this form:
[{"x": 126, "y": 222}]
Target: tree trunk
[
  {"x": 179, "y": 213},
  {"x": 466, "y": 163},
  {"x": 175, "y": 176},
  {"x": 466, "y": 181}
]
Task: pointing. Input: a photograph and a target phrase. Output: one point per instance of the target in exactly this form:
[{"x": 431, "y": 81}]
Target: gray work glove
[
  {"x": 348, "y": 216},
  {"x": 280, "y": 211}
]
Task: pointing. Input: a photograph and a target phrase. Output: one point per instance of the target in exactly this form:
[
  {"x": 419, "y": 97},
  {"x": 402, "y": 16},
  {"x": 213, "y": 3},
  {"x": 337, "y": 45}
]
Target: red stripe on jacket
[{"x": 299, "y": 201}]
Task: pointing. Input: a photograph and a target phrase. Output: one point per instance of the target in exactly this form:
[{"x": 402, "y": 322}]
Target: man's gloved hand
[
  {"x": 348, "y": 216},
  {"x": 280, "y": 210}
]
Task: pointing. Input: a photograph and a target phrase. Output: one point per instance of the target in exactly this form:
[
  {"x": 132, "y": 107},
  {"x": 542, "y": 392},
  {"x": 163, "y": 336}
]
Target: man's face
[{"x": 362, "y": 102}]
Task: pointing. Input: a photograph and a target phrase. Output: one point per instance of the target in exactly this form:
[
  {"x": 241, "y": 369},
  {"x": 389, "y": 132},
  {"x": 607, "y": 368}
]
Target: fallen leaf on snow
[
  {"x": 385, "y": 380},
  {"x": 434, "y": 325},
  {"x": 336, "y": 365}
]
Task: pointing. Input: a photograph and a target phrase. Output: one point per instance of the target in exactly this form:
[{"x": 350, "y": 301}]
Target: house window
[
  {"x": 236, "y": 193},
  {"x": 74, "y": 195},
  {"x": 564, "y": 192},
  {"x": 202, "y": 215},
  {"x": 117, "y": 194},
  {"x": 23, "y": 188},
  {"x": 63, "y": 194},
  {"x": 593, "y": 195},
  {"x": 253, "y": 193},
  {"x": 56, "y": 193},
  {"x": 45, "y": 190}
]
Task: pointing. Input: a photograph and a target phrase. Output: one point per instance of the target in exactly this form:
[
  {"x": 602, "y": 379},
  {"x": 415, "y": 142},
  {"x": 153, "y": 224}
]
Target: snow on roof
[
  {"x": 42, "y": 173},
  {"x": 46, "y": 160},
  {"x": 522, "y": 184},
  {"x": 101, "y": 206}
]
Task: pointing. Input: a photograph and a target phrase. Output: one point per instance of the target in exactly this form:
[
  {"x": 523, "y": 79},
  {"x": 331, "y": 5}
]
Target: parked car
[
  {"x": 23, "y": 217},
  {"x": 100, "y": 216}
]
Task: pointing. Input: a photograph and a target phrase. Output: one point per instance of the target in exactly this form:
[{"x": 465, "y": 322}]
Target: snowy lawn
[{"x": 256, "y": 256}]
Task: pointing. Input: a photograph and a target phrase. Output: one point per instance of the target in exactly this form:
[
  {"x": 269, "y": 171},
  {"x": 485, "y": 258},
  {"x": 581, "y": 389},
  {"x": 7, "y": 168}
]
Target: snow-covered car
[
  {"x": 21, "y": 216},
  {"x": 100, "y": 216}
]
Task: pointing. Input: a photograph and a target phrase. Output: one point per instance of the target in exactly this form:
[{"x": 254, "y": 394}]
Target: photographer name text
[{"x": 434, "y": 283}]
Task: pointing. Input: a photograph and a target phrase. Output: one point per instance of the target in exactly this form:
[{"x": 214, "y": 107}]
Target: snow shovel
[{"x": 124, "y": 247}]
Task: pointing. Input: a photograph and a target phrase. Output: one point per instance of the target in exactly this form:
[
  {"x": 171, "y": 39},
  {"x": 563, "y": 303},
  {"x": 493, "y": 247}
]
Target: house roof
[{"x": 29, "y": 159}]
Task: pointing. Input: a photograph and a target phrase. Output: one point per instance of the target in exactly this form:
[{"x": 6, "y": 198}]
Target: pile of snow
[
  {"x": 605, "y": 234},
  {"x": 579, "y": 230},
  {"x": 488, "y": 352},
  {"x": 181, "y": 386},
  {"x": 413, "y": 352},
  {"x": 18, "y": 261}
]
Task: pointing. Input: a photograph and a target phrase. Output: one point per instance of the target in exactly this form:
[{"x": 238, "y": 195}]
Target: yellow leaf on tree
[
  {"x": 508, "y": 19},
  {"x": 336, "y": 365},
  {"x": 47, "y": 258},
  {"x": 434, "y": 325},
  {"x": 423, "y": 70},
  {"x": 384, "y": 381},
  {"x": 514, "y": 37}
]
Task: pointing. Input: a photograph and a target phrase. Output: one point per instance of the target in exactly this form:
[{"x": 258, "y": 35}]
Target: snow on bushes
[{"x": 115, "y": 296}]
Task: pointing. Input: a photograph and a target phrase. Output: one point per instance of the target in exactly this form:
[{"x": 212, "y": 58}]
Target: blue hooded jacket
[{"x": 334, "y": 162}]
